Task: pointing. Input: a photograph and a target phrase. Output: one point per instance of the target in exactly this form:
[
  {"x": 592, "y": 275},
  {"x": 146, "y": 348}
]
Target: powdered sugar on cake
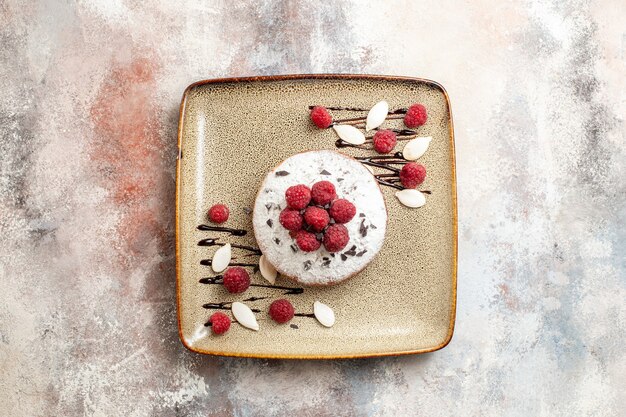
[{"x": 352, "y": 182}]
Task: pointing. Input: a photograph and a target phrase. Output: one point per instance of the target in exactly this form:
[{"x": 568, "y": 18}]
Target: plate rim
[{"x": 332, "y": 76}]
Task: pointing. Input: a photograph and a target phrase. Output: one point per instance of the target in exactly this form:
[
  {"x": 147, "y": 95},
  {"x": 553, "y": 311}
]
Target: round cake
[{"x": 308, "y": 242}]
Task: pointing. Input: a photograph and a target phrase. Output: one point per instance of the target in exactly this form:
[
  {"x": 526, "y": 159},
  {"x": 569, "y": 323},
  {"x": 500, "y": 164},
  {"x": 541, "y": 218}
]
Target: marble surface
[{"x": 88, "y": 116}]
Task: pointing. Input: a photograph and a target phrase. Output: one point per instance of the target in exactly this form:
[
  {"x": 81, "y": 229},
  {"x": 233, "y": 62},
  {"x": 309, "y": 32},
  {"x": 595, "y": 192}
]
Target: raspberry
[
  {"x": 415, "y": 116},
  {"x": 281, "y": 311},
  {"x": 298, "y": 196},
  {"x": 236, "y": 280},
  {"x": 320, "y": 117},
  {"x": 220, "y": 323},
  {"x": 218, "y": 213},
  {"x": 384, "y": 141},
  {"x": 316, "y": 217},
  {"x": 306, "y": 241},
  {"x": 290, "y": 219},
  {"x": 323, "y": 192},
  {"x": 412, "y": 175},
  {"x": 336, "y": 238},
  {"x": 342, "y": 211}
]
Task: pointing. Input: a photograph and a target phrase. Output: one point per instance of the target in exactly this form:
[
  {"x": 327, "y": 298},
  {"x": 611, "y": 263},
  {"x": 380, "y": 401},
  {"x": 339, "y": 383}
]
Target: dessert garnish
[
  {"x": 383, "y": 141},
  {"x": 221, "y": 258},
  {"x": 416, "y": 116},
  {"x": 415, "y": 148},
  {"x": 219, "y": 322},
  {"x": 350, "y": 134},
  {"x": 376, "y": 116},
  {"x": 320, "y": 117},
  {"x": 218, "y": 213},
  {"x": 281, "y": 311},
  {"x": 411, "y": 198},
  {"x": 236, "y": 280},
  {"x": 412, "y": 175},
  {"x": 244, "y": 316},
  {"x": 315, "y": 219},
  {"x": 324, "y": 314},
  {"x": 267, "y": 270}
]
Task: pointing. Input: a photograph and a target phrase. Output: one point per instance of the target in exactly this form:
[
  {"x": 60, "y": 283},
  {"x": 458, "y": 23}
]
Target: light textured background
[{"x": 89, "y": 97}]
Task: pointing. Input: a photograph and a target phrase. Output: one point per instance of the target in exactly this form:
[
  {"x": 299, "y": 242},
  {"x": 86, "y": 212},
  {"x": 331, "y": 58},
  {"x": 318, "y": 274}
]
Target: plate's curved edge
[
  {"x": 179, "y": 155},
  {"x": 455, "y": 252},
  {"x": 435, "y": 84}
]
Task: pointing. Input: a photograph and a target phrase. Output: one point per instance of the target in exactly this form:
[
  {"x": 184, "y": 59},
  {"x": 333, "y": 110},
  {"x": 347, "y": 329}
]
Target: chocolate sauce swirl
[
  {"x": 227, "y": 305},
  {"x": 209, "y": 262},
  {"x": 338, "y": 108},
  {"x": 401, "y": 134},
  {"x": 214, "y": 242},
  {"x": 219, "y": 280},
  {"x": 387, "y": 162},
  {"x": 233, "y": 232}
]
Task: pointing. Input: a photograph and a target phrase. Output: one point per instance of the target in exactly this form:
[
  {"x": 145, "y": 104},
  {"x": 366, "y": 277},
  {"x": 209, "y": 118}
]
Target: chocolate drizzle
[
  {"x": 214, "y": 242},
  {"x": 359, "y": 109},
  {"x": 219, "y": 280},
  {"x": 209, "y": 262},
  {"x": 226, "y": 305},
  {"x": 233, "y": 232},
  {"x": 401, "y": 134},
  {"x": 387, "y": 162}
]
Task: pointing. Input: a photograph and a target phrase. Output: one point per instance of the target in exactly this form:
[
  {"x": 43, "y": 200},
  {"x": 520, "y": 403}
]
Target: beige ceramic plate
[{"x": 231, "y": 133}]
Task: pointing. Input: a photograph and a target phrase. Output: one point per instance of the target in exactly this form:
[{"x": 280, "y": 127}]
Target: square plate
[{"x": 232, "y": 132}]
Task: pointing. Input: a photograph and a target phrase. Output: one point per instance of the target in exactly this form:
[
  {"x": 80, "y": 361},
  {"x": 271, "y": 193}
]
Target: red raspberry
[
  {"x": 415, "y": 116},
  {"x": 384, "y": 141},
  {"x": 323, "y": 192},
  {"x": 236, "y": 280},
  {"x": 412, "y": 175},
  {"x": 320, "y": 117},
  {"x": 298, "y": 196},
  {"x": 316, "y": 217},
  {"x": 336, "y": 238},
  {"x": 218, "y": 213},
  {"x": 281, "y": 311},
  {"x": 342, "y": 211},
  {"x": 307, "y": 241},
  {"x": 290, "y": 219},
  {"x": 220, "y": 323}
]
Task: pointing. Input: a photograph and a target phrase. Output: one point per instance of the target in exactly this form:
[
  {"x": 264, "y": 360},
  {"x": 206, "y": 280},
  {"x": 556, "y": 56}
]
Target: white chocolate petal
[
  {"x": 350, "y": 134},
  {"x": 221, "y": 258},
  {"x": 376, "y": 115},
  {"x": 411, "y": 198},
  {"x": 267, "y": 270},
  {"x": 324, "y": 314},
  {"x": 244, "y": 316},
  {"x": 415, "y": 148}
]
